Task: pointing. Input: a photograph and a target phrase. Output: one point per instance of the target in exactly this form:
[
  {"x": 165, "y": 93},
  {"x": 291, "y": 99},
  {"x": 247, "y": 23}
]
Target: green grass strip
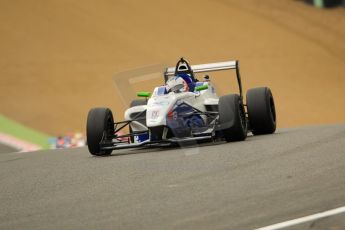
[
  {"x": 318, "y": 3},
  {"x": 22, "y": 132}
]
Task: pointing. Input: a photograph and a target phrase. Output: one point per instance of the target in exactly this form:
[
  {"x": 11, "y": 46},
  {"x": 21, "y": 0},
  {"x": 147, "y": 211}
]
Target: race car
[{"x": 184, "y": 110}]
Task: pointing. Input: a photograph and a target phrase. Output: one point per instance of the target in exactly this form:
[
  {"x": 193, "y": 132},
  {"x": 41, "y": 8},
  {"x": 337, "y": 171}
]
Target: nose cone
[{"x": 157, "y": 110}]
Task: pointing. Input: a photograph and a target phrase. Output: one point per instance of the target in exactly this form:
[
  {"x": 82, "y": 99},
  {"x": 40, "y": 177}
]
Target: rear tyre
[
  {"x": 232, "y": 118},
  {"x": 261, "y": 111},
  {"x": 100, "y": 126}
]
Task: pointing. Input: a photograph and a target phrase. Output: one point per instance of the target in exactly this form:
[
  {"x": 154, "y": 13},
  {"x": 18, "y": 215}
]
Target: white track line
[{"x": 304, "y": 219}]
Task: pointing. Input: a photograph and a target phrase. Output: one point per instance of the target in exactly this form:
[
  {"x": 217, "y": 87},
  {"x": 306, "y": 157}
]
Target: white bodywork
[{"x": 158, "y": 106}]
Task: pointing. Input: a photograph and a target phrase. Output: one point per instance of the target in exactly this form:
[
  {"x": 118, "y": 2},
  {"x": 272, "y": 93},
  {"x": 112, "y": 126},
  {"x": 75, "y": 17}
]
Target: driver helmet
[
  {"x": 188, "y": 80},
  {"x": 177, "y": 84}
]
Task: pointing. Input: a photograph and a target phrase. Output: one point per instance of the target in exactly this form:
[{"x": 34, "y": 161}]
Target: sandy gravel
[{"x": 57, "y": 58}]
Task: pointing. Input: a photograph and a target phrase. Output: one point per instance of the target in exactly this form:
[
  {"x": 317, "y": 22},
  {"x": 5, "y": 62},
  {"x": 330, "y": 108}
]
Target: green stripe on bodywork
[
  {"x": 202, "y": 87},
  {"x": 22, "y": 132},
  {"x": 143, "y": 94}
]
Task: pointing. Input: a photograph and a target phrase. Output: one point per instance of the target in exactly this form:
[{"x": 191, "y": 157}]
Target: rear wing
[{"x": 210, "y": 67}]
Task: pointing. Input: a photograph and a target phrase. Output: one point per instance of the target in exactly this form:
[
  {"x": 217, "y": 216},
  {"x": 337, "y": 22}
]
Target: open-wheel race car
[{"x": 183, "y": 110}]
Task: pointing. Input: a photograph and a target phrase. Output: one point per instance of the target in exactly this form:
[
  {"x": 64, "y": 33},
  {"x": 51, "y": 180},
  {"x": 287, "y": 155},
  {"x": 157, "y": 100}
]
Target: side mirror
[{"x": 200, "y": 88}]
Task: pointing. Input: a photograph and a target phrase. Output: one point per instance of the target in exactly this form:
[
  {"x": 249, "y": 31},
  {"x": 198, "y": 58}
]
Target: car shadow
[
  {"x": 184, "y": 146},
  {"x": 153, "y": 149}
]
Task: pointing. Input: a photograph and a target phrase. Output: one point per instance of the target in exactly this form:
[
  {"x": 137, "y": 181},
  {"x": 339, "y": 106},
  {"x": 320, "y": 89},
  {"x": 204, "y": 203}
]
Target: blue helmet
[{"x": 189, "y": 81}]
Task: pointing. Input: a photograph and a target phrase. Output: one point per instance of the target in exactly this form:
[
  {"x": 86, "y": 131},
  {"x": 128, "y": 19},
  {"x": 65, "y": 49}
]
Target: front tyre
[
  {"x": 232, "y": 118},
  {"x": 99, "y": 127},
  {"x": 261, "y": 110}
]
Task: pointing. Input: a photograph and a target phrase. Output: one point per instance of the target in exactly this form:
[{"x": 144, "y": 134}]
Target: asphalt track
[
  {"x": 243, "y": 185},
  {"x": 7, "y": 149}
]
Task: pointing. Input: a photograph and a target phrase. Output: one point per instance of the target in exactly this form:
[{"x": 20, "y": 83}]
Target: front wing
[{"x": 148, "y": 143}]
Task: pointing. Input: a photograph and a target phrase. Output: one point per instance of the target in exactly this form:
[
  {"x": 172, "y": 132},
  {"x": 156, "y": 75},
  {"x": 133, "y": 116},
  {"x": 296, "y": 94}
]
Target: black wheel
[
  {"x": 261, "y": 111},
  {"x": 232, "y": 118},
  {"x": 100, "y": 126},
  {"x": 136, "y": 103}
]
